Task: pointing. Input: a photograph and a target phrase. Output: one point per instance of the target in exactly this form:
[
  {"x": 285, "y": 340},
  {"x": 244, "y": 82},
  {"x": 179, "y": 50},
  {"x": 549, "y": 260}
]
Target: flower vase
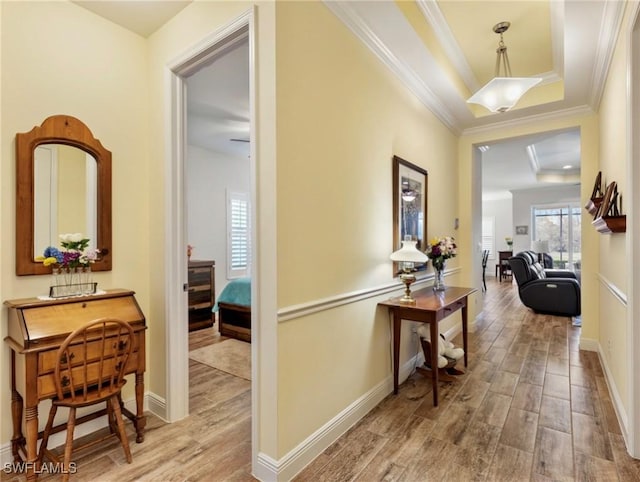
[
  {"x": 72, "y": 281},
  {"x": 86, "y": 281},
  {"x": 56, "y": 280},
  {"x": 438, "y": 278}
]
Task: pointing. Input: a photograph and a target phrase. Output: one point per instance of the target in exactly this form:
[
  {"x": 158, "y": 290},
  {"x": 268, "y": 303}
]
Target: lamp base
[{"x": 407, "y": 279}]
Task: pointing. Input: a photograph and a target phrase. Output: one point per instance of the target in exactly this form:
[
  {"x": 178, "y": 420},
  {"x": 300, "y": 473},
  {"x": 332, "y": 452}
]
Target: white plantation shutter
[
  {"x": 488, "y": 235},
  {"x": 238, "y": 235}
]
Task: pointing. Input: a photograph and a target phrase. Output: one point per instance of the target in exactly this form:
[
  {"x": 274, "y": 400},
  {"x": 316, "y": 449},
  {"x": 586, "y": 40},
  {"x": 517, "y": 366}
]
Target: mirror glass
[
  {"x": 63, "y": 176},
  {"x": 64, "y": 195}
]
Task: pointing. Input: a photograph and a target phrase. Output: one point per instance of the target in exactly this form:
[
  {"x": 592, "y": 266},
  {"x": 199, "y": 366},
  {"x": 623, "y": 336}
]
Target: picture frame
[
  {"x": 410, "y": 184},
  {"x": 523, "y": 230}
]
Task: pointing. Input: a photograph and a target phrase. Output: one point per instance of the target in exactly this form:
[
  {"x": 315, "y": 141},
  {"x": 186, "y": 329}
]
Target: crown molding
[
  {"x": 435, "y": 18},
  {"x": 407, "y": 76},
  {"x": 556, "y": 9},
  {"x": 578, "y": 111},
  {"x": 610, "y": 27}
]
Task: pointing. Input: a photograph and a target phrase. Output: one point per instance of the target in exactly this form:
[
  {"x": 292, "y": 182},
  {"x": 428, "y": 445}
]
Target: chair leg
[
  {"x": 47, "y": 432},
  {"x": 68, "y": 448},
  {"x": 115, "y": 404}
]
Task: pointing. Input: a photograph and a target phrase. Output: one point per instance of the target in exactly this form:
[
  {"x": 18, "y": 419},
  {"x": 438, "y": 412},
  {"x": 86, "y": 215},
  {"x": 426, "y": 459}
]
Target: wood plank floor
[{"x": 531, "y": 407}]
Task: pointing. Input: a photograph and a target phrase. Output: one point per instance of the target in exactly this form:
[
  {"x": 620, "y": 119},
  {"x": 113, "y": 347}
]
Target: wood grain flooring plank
[
  {"x": 553, "y": 456},
  {"x": 527, "y": 397},
  {"x": 512, "y": 363},
  {"x": 473, "y": 392},
  {"x": 583, "y": 377},
  {"x": 510, "y": 465},
  {"x": 504, "y": 383},
  {"x": 591, "y": 437},
  {"x": 532, "y": 373},
  {"x": 483, "y": 370},
  {"x": 557, "y": 366},
  {"x": 494, "y": 409},
  {"x": 556, "y": 386},
  {"x": 594, "y": 469},
  {"x": 520, "y": 429},
  {"x": 628, "y": 467},
  {"x": 555, "y": 413},
  {"x": 583, "y": 400},
  {"x": 451, "y": 427}
]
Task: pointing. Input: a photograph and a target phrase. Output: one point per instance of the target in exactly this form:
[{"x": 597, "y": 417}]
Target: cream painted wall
[
  {"x": 341, "y": 117},
  {"x": 87, "y": 67},
  {"x": 614, "y": 268}
]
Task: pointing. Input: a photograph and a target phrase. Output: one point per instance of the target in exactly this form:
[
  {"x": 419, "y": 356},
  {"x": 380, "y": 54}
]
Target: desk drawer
[
  {"x": 455, "y": 306},
  {"x": 47, "y": 359},
  {"x": 47, "y": 386}
]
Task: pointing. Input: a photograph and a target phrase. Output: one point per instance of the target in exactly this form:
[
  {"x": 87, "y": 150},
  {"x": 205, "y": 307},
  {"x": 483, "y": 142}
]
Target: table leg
[
  {"x": 464, "y": 333},
  {"x": 396, "y": 351},
  {"x": 140, "y": 420},
  {"x": 31, "y": 422},
  {"x": 434, "y": 360},
  {"x": 17, "y": 405}
]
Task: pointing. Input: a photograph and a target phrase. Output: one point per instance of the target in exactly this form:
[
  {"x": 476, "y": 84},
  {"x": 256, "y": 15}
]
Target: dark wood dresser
[
  {"x": 36, "y": 329},
  {"x": 202, "y": 294}
]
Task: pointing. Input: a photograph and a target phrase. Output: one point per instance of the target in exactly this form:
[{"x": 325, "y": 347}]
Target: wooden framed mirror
[
  {"x": 409, "y": 205},
  {"x": 48, "y": 203}
]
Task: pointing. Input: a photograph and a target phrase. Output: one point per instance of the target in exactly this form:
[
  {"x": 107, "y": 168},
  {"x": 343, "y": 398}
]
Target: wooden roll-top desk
[{"x": 36, "y": 330}]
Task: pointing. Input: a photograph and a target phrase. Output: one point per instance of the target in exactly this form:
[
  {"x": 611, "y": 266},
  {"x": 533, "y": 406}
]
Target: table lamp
[
  {"x": 540, "y": 247},
  {"x": 408, "y": 256}
]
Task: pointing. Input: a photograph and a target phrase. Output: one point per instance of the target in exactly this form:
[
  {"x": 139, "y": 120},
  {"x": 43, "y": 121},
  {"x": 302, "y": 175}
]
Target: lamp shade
[
  {"x": 540, "y": 246},
  {"x": 409, "y": 253},
  {"x": 502, "y": 93}
]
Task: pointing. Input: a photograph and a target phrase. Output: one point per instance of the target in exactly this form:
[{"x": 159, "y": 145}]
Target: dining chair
[
  {"x": 485, "y": 257},
  {"x": 89, "y": 369}
]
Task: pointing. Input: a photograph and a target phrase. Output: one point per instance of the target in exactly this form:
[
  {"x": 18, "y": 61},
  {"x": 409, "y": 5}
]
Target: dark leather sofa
[{"x": 548, "y": 291}]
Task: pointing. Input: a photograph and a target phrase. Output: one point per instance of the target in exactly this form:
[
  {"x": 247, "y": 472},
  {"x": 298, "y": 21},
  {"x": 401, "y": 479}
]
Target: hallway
[{"x": 530, "y": 407}]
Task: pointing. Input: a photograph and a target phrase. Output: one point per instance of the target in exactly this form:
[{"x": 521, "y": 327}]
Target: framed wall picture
[
  {"x": 522, "y": 230},
  {"x": 409, "y": 204}
]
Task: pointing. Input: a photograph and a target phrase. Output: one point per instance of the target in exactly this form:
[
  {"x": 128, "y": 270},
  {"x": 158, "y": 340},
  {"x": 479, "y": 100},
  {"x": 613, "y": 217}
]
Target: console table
[
  {"x": 430, "y": 307},
  {"x": 36, "y": 329}
]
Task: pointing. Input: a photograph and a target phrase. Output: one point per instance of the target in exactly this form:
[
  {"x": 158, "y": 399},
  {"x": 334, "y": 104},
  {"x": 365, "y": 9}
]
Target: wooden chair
[
  {"x": 485, "y": 257},
  {"x": 89, "y": 370}
]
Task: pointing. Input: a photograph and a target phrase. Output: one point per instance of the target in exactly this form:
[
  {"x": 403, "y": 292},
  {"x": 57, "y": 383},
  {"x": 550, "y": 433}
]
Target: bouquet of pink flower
[{"x": 441, "y": 249}]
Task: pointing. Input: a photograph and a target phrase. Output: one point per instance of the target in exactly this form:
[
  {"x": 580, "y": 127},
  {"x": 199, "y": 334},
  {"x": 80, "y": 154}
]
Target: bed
[{"x": 234, "y": 309}]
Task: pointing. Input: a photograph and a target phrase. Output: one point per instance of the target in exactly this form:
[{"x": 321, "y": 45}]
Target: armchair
[{"x": 548, "y": 291}]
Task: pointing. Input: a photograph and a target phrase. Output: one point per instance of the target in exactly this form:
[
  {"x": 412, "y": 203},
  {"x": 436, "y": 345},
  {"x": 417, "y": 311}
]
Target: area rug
[{"x": 230, "y": 356}]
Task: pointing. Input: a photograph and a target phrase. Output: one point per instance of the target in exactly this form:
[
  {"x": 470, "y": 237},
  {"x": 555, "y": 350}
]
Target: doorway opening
[{"x": 231, "y": 38}]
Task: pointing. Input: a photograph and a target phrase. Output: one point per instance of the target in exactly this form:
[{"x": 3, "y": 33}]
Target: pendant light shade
[{"x": 503, "y": 91}]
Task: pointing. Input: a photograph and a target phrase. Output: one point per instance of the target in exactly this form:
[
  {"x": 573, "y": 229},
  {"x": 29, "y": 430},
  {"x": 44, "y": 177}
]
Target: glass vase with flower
[
  {"x": 439, "y": 250},
  {"x": 70, "y": 266}
]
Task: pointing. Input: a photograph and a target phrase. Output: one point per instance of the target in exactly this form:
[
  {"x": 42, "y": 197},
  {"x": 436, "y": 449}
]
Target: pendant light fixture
[{"x": 502, "y": 92}]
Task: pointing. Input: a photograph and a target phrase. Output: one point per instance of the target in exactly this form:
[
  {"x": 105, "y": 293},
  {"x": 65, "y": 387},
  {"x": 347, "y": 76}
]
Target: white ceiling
[
  {"x": 218, "y": 104},
  {"x": 436, "y": 48},
  {"x": 140, "y": 16}
]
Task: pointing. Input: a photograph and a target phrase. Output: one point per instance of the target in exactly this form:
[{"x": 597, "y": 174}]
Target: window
[
  {"x": 489, "y": 235},
  {"x": 238, "y": 235},
  {"x": 560, "y": 226}
]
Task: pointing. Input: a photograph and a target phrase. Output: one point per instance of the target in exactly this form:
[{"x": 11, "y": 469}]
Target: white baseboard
[
  {"x": 270, "y": 470},
  {"x": 618, "y": 406},
  {"x": 156, "y": 405}
]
